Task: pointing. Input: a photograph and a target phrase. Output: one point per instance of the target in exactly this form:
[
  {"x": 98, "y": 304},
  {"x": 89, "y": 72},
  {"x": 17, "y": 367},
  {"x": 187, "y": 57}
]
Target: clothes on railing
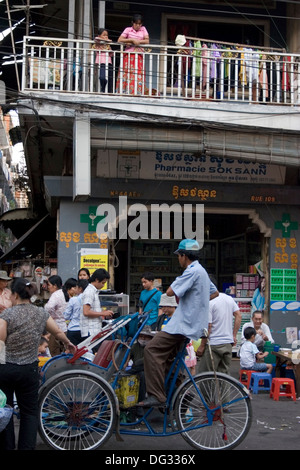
[
  {"x": 267, "y": 75},
  {"x": 192, "y": 69}
]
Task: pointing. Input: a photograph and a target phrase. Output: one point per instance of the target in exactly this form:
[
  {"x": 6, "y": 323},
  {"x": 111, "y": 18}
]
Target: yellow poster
[{"x": 93, "y": 259}]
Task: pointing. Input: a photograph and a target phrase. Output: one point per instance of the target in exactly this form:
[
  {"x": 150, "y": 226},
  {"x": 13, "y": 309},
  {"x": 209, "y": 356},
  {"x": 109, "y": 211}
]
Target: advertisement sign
[
  {"x": 93, "y": 259},
  {"x": 156, "y": 165}
]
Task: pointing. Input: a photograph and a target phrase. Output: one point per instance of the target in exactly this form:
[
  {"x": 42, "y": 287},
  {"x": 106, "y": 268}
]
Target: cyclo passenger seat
[{"x": 104, "y": 353}]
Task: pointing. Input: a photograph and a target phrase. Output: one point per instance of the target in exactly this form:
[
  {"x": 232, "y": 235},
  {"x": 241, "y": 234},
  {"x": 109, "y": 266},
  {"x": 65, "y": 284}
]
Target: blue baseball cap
[{"x": 187, "y": 245}]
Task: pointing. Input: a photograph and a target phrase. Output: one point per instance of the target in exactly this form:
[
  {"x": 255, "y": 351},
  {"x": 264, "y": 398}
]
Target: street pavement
[{"x": 275, "y": 426}]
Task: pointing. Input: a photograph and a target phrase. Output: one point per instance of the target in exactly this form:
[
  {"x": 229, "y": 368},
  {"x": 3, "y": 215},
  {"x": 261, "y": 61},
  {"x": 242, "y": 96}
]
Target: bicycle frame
[{"x": 177, "y": 365}]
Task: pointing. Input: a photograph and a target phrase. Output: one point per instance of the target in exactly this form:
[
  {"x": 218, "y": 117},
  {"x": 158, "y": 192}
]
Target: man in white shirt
[
  {"x": 92, "y": 313},
  {"x": 263, "y": 332},
  {"x": 222, "y": 333}
]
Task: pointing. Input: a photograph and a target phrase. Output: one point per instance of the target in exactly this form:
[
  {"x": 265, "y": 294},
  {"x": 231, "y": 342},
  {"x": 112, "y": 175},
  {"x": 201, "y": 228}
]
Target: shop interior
[{"x": 232, "y": 244}]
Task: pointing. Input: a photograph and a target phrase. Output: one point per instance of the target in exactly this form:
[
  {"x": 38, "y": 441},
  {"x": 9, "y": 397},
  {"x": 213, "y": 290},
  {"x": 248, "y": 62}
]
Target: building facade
[{"x": 215, "y": 129}]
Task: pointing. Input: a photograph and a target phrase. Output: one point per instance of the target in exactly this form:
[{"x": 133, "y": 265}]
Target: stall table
[{"x": 286, "y": 358}]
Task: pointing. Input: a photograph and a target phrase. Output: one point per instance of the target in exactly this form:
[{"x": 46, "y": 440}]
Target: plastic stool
[
  {"x": 245, "y": 376},
  {"x": 289, "y": 391},
  {"x": 260, "y": 381}
]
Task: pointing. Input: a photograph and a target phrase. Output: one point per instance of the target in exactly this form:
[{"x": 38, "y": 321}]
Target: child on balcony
[{"x": 104, "y": 59}]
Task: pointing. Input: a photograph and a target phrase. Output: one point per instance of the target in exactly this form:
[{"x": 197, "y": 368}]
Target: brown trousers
[{"x": 158, "y": 357}]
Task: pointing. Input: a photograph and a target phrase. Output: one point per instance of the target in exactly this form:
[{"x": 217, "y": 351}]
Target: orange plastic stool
[
  {"x": 289, "y": 391},
  {"x": 245, "y": 377}
]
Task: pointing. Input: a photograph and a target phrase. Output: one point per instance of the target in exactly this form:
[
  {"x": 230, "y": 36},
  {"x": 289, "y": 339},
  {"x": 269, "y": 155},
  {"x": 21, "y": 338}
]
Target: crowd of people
[
  {"x": 29, "y": 333},
  {"x": 191, "y": 311}
]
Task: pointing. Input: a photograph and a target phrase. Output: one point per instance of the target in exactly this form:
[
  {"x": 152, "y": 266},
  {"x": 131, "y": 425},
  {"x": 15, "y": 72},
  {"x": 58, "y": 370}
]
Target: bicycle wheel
[
  {"x": 220, "y": 429},
  {"x": 76, "y": 412}
]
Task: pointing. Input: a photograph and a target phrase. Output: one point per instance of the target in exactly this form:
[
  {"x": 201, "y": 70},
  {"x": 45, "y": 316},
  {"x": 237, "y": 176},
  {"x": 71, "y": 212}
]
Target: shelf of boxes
[{"x": 245, "y": 284}]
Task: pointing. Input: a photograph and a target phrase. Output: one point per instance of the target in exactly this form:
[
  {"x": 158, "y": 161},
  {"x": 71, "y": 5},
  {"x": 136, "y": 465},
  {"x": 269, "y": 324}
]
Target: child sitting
[{"x": 249, "y": 354}]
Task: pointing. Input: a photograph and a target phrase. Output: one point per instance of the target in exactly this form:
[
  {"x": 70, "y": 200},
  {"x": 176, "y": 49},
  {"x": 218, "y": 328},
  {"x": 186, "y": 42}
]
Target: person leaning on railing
[{"x": 131, "y": 79}]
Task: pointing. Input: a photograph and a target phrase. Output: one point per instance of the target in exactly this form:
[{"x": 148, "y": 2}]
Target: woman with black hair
[
  {"x": 70, "y": 288},
  {"x": 131, "y": 79},
  {"x": 21, "y": 327},
  {"x": 83, "y": 273},
  {"x": 56, "y": 306}
]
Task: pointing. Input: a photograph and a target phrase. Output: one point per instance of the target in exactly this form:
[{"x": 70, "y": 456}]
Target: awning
[
  {"x": 239, "y": 143},
  {"x": 18, "y": 221},
  {"x": 18, "y": 244}
]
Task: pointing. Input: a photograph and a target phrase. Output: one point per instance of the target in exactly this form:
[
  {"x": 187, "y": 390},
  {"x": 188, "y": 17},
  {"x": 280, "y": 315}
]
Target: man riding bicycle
[{"x": 193, "y": 290}]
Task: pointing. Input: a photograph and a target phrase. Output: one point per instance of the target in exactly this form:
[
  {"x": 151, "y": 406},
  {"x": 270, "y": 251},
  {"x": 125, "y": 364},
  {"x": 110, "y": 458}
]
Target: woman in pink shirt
[{"x": 131, "y": 77}]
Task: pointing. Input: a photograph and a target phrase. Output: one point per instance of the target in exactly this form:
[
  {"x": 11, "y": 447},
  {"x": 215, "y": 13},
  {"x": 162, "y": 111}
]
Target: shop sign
[
  {"x": 283, "y": 285},
  {"x": 196, "y": 192},
  {"x": 283, "y": 275},
  {"x": 76, "y": 237},
  {"x": 92, "y": 259},
  {"x": 185, "y": 167}
]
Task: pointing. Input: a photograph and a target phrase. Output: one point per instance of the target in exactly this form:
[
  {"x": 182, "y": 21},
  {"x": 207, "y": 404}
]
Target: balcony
[{"x": 69, "y": 67}]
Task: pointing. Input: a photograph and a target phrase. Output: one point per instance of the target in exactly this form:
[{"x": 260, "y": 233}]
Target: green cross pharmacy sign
[{"x": 91, "y": 218}]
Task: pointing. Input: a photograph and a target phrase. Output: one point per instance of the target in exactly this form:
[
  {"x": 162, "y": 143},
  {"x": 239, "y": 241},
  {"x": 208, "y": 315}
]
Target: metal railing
[{"x": 227, "y": 74}]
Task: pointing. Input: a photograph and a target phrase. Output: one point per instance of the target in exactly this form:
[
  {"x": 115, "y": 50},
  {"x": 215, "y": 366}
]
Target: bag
[
  {"x": 149, "y": 298},
  {"x": 5, "y": 416},
  {"x": 2, "y": 399}
]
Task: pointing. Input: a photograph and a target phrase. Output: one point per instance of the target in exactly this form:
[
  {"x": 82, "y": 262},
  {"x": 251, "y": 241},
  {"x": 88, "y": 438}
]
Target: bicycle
[{"x": 79, "y": 409}]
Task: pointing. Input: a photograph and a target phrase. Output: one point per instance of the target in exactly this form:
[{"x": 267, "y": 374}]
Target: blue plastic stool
[{"x": 256, "y": 377}]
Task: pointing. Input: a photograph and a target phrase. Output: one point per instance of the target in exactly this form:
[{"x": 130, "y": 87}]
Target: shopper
[
  {"x": 73, "y": 311},
  {"x": 92, "y": 314},
  {"x": 70, "y": 288},
  {"x": 56, "y": 306},
  {"x": 5, "y": 293},
  {"x": 223, "y": 325},
  {"x": 190, "y": 319},
  {"x": 149, "y": 298},
  {"x": 263, "y": 332},
  {"x": 83, "y": 273},
  {"x": 21, "y": 327}
]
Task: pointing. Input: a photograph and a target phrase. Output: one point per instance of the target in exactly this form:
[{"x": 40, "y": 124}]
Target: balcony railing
[{"x": 70, "y": 66}]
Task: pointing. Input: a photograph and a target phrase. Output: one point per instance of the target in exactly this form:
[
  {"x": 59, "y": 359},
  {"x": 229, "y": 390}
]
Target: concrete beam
[{"x": 81, "y": 158}]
